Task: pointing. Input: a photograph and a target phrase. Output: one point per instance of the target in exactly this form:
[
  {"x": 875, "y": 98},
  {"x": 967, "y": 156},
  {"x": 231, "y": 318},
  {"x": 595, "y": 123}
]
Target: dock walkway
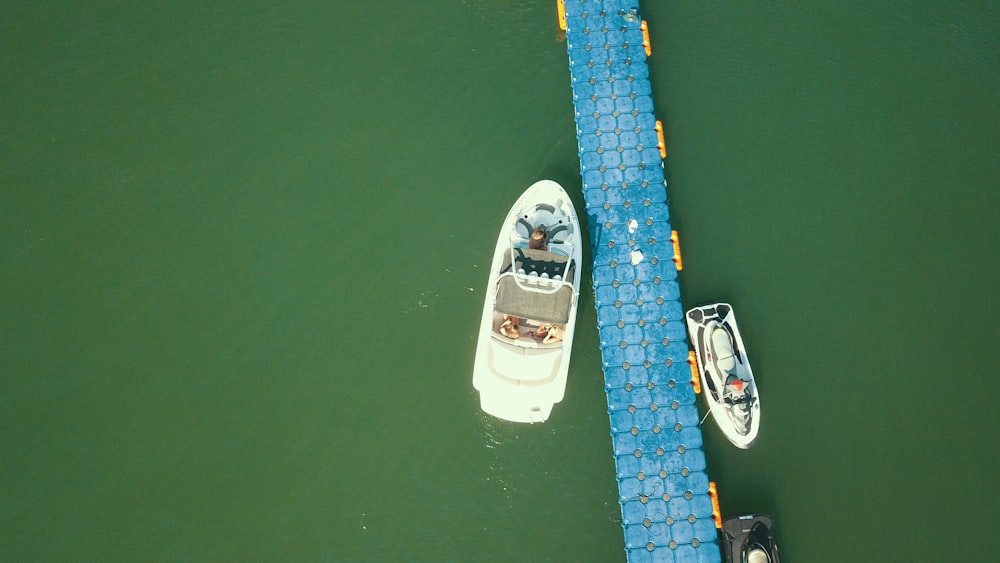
[{"x": 669, "y": 512}]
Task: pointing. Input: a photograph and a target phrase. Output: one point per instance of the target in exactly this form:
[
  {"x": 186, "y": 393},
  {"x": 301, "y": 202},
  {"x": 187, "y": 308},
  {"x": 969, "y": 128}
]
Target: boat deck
[{"x": 667, "y": 501}]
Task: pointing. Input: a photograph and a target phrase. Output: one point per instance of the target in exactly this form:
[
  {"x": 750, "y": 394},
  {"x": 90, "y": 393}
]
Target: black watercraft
[{"x": 749, "y": 538}]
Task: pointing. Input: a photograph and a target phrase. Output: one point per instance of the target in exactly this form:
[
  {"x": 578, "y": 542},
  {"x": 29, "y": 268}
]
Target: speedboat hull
[
  {"x": 726, "y": 376},
  {"x": 529, "y": 313},
  {"x": 749, "y": 538}
]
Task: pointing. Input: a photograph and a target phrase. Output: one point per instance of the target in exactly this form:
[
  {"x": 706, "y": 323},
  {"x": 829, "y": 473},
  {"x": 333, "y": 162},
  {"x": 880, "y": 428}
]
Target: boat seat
[
  {"x": 523, "y": 228},
  {"x": 723, "y": 345},
  {"x": 557, "y": 230}
]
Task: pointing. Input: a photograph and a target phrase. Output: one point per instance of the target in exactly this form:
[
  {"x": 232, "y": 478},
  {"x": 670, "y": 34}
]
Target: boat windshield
[{"x": 542, "y": 263}]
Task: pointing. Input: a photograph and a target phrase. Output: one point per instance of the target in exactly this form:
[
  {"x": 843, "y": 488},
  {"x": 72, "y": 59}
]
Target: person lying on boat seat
[
  {"x": 539, "y": 239},
  {"x": 510, "y": 327},
  {"x": 551, "y": 331}
]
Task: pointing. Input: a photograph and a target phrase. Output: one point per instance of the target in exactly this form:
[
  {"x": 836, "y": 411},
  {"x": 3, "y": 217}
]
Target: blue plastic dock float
[{"x": 665, "y": 494}]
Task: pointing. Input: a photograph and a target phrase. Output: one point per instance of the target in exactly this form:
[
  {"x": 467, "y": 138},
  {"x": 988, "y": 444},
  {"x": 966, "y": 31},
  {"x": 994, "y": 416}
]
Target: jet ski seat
[{"x": 723, "y": 347}]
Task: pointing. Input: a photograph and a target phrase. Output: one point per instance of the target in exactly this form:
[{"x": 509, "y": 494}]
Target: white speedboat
[
  {"x": 731, "y": 391},
  {"x": 749, "y": 538},
  {"x": 526, "y": 333}
]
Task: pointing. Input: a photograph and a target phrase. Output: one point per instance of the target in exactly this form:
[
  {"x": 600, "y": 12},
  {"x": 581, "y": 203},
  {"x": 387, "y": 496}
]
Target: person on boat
[
  {"x": 551, "y": 332},
  {"x": 538, "y": 239},
  {"x": 510, "y": 327}
]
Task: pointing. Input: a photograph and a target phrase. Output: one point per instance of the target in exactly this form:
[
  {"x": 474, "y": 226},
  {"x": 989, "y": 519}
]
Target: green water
[{"x": 242, "y": 253}]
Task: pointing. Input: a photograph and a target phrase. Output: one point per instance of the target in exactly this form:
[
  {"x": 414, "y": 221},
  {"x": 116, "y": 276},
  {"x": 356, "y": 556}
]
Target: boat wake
[{"x": 495, "y": 436}]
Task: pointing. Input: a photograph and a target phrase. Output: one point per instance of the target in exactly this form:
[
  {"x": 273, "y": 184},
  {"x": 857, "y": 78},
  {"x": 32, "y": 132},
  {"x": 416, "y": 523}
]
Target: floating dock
[{"x": 669, "y": 507}]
